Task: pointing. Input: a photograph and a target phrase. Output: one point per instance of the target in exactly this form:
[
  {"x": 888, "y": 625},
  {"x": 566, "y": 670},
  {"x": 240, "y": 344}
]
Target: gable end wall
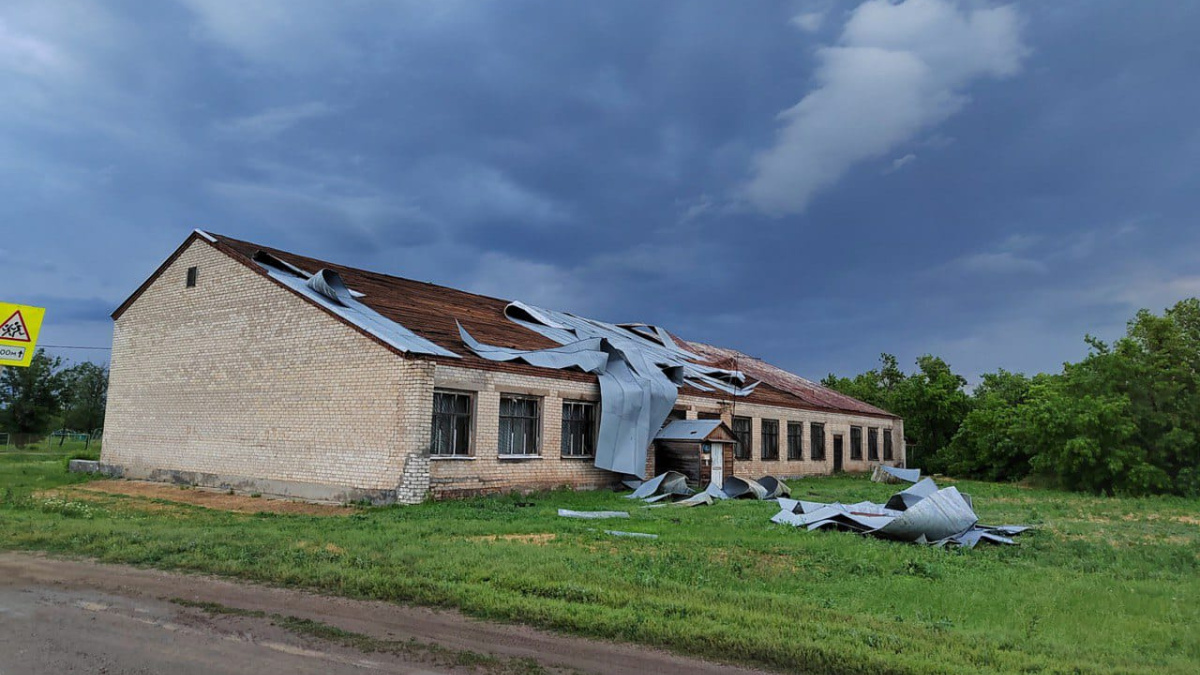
[{"x": 239, "y": 377}]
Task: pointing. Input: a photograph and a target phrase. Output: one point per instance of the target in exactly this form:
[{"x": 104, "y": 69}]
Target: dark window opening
[
  {"x": 770, "y": 439},
  {"x": 578, "y": 429},
  {"x": 519, "y": 424},
  {"x": 856, "y": 443},
  {"x": 887, "y": 445},
  {"x": 816, "y": 432},
  {"x": 741, "y": 431},
  {"x": 873, "y": 444},
  {"x": 795, "y": 440},
  {"x": 451, "y": 424},
  {"x": 192, "y": 273}
]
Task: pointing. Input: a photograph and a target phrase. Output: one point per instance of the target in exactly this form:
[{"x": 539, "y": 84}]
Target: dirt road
[{"x": 60, "y": 616}]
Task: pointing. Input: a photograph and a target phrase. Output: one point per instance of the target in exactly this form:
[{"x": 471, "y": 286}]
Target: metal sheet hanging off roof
[
  {"x": 639, "y": 368},
  {"x": 327, "y": 289}
]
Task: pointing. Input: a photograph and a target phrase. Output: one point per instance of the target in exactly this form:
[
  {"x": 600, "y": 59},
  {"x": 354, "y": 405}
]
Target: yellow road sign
[{"x": 19, "y": 325}]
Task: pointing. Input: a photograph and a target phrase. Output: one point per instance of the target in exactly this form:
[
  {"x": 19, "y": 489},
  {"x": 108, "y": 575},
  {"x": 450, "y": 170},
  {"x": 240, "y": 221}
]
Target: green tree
[
  {"x": 85, "y": 393},
  {"x": 31, "y": 396},
  {"x": 933, "y": 402},
  {"x": 987, "y": 444}
]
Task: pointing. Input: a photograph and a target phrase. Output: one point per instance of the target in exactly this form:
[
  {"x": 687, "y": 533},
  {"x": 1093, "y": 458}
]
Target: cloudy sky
[{"x": 810, "y": 182}]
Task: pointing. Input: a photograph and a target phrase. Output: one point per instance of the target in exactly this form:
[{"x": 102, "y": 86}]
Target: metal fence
[{"x": 58, "y": 438}]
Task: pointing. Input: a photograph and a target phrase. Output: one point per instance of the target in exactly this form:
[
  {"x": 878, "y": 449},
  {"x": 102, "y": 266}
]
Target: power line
[{"x": 107, "y": 349}]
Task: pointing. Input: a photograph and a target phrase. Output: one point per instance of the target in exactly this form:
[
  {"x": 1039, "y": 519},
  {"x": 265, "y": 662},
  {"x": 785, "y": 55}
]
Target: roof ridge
[{"x": 227, "y": 239}]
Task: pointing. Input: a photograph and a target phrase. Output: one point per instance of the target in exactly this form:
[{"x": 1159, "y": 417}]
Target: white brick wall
[{"x": 239, "y": 376}]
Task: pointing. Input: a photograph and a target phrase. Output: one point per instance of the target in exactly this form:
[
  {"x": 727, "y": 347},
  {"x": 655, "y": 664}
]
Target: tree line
[
  {"x": 1125, "y": 419},
  {"x": 49, "y": 395}
]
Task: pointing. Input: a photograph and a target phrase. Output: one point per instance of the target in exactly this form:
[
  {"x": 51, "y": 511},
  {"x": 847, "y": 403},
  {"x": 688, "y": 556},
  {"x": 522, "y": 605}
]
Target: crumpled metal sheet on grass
[
  {"x": 891, "y": 474},
  {"x": 775, "y": 488},
  {"x": 635, "y": 535},
  {"x": 920, "y": 514},
  {"x": 662, "y": 486},
  {"x": 737, "y": 487},
  {"x": 640, "y": 369},
  {"x": 699, "y": 499},
  {"x": 568, "y": 513}
]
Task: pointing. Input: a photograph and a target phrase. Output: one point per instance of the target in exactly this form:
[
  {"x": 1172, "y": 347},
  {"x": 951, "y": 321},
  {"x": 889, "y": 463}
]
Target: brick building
[{"x": 236, "y": 365}]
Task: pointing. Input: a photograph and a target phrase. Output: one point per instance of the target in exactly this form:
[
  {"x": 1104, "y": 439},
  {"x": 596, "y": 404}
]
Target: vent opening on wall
[{"x": 192, "y": 273}]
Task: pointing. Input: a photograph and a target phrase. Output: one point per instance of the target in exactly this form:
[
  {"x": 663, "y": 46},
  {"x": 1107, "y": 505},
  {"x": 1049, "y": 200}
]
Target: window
[
  {"x": 856, "y": 443},
  {"x": 770, "y": 439},
  {"x": 795, "y": 440},
  {"x": 578, "y": 429},
  {"x": 451, "y": 424},
  {"x": 741, "y": 431},
  {"x": 873, "y": 444},
  {"x": 192, "y": 273},
  {"x": 816, "y": 432},
  {"x": 887, "y": 445},
  {"x": 519, "y": 424}
]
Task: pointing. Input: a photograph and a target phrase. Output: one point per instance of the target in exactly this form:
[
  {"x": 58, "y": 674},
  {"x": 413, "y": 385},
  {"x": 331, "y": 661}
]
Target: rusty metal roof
[{"x": 430, "y": 311}]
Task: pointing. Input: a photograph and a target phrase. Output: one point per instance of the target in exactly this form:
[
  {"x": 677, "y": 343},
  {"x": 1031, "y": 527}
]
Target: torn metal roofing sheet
[
  {"x": 592, "y": 515},
  {"x": 640, "y": 373},
  {"x": 774, "y": 487},
  {"x": 921, "y": 514},
  {"x": 737, "y": 487},
  {"x": 892, "y": 474},
  {"x": 912, "y": 494},
  {"x": 664, "y": 484},
  {"x": 327, "y": 289}
]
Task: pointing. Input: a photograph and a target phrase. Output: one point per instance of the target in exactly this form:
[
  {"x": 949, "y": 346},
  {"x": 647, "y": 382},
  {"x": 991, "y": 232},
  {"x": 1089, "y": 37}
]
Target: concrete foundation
[{"x": 309, "y": 492}]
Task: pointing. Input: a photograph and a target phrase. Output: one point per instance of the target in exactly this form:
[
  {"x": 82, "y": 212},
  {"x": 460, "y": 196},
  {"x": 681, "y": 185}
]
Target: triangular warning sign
[{"x": 14, "y": 328}]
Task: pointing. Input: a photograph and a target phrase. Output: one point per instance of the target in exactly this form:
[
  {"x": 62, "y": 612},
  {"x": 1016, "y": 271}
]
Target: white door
[{"x": 718, "y": 464}]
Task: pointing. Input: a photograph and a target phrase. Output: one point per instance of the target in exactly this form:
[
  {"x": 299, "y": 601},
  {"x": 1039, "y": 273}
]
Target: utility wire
[{"x": 107, "y": 349}]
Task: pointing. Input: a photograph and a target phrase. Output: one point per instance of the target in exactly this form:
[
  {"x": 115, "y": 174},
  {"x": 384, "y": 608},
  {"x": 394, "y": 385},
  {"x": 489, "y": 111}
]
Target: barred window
[
  {"x": 873, "y": 444},
  {"x": 770, "y": 439},
  {"x": 856, "y": 443},
  {"x": 578, "y": 429},
  {"x": 816, "y": 432},
  {"x": 887, "y": 445},
  {"x": 519, "y": 423},
  {"x": 741, "y": 431},
  {"x": 451, "y": 424},
  {"x": 795, "y": 431}
]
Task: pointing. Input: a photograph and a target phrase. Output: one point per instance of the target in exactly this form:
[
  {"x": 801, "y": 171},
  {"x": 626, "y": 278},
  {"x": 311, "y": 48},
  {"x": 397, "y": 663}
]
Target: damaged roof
[
  {"x": 431, "y": 312},
  {"x": 688, "y": 430}
]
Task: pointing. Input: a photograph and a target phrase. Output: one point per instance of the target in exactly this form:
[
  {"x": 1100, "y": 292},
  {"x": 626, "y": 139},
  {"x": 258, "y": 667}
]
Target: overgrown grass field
[{"x": 1102, "y": 585}]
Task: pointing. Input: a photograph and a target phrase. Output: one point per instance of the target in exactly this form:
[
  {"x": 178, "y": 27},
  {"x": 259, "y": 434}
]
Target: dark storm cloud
[{"x": 988, "y": 181}]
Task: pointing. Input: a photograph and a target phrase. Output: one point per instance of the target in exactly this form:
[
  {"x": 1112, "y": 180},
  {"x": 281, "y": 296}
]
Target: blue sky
[{"x": 810, "y": 182}]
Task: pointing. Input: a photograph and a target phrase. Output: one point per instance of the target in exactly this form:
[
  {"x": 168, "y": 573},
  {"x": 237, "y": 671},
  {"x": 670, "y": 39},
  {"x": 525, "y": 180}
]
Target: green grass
[{"x": 1103, "y": 585}]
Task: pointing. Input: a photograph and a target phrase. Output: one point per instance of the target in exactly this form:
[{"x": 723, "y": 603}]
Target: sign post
[{"x": 19, "y": 326}]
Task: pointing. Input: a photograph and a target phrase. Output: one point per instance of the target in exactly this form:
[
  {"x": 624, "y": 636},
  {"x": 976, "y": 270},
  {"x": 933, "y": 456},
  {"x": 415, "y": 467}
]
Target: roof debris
[
  {"x": 883, "y": 473},
  {"x": 661, "y": 486},
  {"x": 327, "y": 289},
  {"x": 568, "y": 513},
  {"x": 640, "y": 369},
  {"x": 635, "y": 535},
  {"x": 921, "y": 514}
]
